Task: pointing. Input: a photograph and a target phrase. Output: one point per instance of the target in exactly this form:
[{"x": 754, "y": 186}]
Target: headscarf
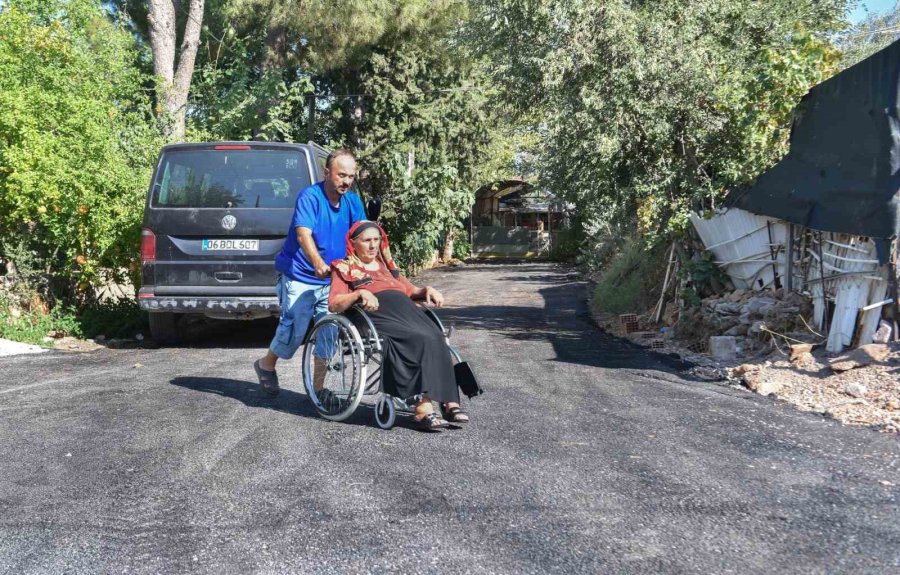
[{"x": 351, "y": 268}]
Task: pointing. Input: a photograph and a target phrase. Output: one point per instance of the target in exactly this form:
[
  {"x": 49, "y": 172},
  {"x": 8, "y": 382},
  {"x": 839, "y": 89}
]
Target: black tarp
[{"x": 843, "y": 169}]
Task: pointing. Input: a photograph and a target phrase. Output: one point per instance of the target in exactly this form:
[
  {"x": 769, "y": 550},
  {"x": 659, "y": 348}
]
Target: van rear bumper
[{"x": 234, "y": 305}]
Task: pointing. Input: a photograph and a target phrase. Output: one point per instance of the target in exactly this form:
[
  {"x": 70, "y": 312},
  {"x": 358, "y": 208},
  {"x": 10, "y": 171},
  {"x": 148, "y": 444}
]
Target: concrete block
[{"x": 723, "y": 347}]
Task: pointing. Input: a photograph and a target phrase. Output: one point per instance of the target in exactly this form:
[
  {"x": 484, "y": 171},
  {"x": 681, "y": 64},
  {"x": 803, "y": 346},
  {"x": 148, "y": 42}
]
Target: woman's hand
[
  {"x": 433, "y": 297},
  {"x": 367, "y": 300}
]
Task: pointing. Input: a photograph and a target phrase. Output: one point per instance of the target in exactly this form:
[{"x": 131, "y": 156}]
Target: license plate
[{"x": 232, "y": 245}]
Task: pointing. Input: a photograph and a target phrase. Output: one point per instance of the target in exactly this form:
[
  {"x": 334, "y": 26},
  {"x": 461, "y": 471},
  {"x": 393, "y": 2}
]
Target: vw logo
[{"x": 228, "y": 222}]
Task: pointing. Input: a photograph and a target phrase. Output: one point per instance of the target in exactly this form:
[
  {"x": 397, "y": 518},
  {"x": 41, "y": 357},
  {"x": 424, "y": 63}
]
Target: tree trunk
[
  {"x": 447, "y": 254},
  {"x": 174, "y": 80}
]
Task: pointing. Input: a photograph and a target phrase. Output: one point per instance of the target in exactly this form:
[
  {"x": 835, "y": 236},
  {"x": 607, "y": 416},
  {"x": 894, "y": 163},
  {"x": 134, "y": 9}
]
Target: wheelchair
[{"x": 349, "y": 354}]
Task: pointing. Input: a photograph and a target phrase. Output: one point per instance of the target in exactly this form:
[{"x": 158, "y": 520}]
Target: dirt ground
[{"x": 867, "y": 395}]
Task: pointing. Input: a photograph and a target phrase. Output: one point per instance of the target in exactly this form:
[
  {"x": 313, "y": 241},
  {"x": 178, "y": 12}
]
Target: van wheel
[{"x": 163, "y": 328}]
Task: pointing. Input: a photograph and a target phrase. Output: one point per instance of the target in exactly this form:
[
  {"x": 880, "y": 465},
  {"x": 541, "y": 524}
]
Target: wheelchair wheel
[
  {"x": 334, "y": 347},
  {"x": 385, "y": 413}
]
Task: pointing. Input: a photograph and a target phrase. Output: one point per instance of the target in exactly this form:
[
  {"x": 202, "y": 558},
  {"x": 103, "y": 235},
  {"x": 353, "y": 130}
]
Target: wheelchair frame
[{"x": 358, "y": 348}]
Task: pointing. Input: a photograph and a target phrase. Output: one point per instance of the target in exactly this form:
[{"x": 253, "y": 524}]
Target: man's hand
[
  {"x": 367, "y": 300},
  {"x": 434, "y": 297},
  {"x": 322, "y": 269}
]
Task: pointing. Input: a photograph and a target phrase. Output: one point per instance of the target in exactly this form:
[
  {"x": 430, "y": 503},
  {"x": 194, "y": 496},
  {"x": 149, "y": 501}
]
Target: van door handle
[{"x": 229, "y": 276}]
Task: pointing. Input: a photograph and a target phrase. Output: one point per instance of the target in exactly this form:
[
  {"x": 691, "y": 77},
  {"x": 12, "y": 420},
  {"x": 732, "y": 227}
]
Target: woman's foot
[
  {"x": 426, "y": 419},
  {"x": 453, "y": 413}
]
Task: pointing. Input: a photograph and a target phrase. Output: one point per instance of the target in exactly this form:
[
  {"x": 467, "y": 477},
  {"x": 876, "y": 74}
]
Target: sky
[{"x": 875, "y": 7}]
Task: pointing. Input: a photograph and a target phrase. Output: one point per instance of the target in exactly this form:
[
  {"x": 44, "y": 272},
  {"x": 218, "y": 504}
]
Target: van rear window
[{"x": 256, "y": 178}]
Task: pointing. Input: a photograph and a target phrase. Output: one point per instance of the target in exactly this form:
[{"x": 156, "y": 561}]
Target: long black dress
[{"x": 416, "y": 358}]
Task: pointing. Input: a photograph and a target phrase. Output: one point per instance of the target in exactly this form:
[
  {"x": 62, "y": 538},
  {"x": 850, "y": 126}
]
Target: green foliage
[
  {"x": 462, "y": 247},
  {"x": 568, "y": 244},
  {"x": 113, "y": 319},
  {"x": 32, "y": 326},
  {"x": 76, "y": 138},
  {"x": 421, "y": 134},
  {"x": 122, "y": 319},
  {"x": 702, "y": 276},
  {"x": 628, "y": 281},
  {"x": 648, "y": 110}
]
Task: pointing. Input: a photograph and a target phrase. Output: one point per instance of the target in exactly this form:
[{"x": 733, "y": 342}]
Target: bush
[
  {"x": 123, "y": 319},
  {"x": 462, "y": 248},
  {"x": 567, "y": 245},
  {"x": 32, "y": 326},
  {"x": 77, "y": 140}
]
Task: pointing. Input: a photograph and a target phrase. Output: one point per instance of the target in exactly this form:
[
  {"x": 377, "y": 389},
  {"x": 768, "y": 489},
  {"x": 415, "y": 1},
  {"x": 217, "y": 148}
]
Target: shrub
[{"x": 77, "y": 140}]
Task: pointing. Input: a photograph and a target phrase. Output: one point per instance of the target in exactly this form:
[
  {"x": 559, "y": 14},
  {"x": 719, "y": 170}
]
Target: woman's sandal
[
  {"x": 454, "y": 414},
  {"x": 430, "y": 422}
]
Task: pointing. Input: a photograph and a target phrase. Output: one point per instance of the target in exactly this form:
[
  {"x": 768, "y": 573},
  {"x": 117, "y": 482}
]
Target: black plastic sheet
[{"x": 842, "y": 173}]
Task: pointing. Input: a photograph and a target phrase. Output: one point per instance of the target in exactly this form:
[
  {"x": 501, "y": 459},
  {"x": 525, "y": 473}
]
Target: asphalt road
[{"x": 585, "y": 456}]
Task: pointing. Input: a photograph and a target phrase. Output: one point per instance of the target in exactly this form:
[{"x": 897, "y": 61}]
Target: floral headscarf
[{"x": 351, "y": 268}]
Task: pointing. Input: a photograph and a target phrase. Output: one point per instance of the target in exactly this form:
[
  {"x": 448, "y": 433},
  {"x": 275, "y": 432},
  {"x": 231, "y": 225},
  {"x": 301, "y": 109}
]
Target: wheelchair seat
[{"x": 342, "y": 357}]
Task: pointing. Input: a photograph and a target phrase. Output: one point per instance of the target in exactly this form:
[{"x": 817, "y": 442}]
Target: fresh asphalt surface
[{"x": 584, "y": 456}]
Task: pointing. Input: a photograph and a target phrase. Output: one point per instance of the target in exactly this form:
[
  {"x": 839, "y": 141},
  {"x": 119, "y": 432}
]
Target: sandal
[
  {"x": 454, "y": 414},
  {"x": 430, "y": 422},
  {"x": 268, "y": 380}
]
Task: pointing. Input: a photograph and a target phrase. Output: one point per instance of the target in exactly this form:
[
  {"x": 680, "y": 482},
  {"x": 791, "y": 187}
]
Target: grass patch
[
  {"x": 122, "y": 319},
  {"x": 631, "y": 280}
]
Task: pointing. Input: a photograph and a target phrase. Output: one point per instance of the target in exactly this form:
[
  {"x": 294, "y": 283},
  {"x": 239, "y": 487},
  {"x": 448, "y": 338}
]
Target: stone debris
[
  {"x": 868, "y": 395},
  {"x": 796, "y": 369},
  {"x": 799, "y": 350},
  {"x": 856, "y": 390},
  {"x": 747, "y": 316},
  {"x": 70, "y": 343},
  {"x": 861, "y": 356},
  {"x": 723, "y": 347}
]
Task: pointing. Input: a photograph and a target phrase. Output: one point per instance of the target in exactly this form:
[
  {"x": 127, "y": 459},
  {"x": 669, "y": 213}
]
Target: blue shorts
[{"x": 300, "y": 303}]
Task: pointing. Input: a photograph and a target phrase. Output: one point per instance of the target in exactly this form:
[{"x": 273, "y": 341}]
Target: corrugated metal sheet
[
  {"x": 750, "y": 248},
  {"x": 853, "y": 280}
]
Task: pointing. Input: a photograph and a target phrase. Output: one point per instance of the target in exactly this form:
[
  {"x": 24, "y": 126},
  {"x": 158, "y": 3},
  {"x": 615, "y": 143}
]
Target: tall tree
[
  {"x": 173, "y": 63},
  {"x": 651, "y": 109}
]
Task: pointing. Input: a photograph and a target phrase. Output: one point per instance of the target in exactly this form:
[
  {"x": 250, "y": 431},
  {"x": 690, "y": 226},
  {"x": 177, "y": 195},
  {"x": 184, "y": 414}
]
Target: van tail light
[
  {"x": 232, "y": 147},
  {"x": 148, "y": 246}
]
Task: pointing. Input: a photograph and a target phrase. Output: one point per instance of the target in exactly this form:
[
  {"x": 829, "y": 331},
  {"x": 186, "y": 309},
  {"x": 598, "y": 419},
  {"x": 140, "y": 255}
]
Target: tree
[
  {"x": 77, "y": 143},
  {"x": 651, "y": 109},
  {"x": 422, "y": 130},
  {"x": 869, "y": 36},
  {"x": 173, "y": 74}
]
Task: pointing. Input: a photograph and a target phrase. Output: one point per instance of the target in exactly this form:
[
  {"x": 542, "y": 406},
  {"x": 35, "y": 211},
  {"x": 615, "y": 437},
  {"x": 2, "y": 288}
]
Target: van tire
[{"x": 163, "y": 328}]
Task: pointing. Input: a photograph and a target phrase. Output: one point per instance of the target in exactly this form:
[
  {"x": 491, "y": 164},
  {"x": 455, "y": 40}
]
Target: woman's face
[{"x": 365, "y": 245}]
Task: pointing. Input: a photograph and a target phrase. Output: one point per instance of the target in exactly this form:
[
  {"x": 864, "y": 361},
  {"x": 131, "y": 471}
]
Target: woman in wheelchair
[{"x": 417, "y": 363}]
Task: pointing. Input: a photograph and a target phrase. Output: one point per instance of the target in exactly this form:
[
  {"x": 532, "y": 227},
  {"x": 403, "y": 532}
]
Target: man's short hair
[{"x": 337, "y": 154}]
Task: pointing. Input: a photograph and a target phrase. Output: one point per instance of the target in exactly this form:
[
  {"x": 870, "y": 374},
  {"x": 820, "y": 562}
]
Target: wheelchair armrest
[{"x": 434, "y": 317}]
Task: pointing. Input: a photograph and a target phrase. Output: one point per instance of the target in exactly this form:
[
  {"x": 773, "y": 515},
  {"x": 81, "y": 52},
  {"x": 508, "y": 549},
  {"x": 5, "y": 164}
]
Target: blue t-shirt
[{"x": 329, "y": 227}]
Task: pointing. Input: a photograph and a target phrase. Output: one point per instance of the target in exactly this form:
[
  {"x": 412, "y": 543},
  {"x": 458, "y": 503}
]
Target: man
[{"x": 322, "y": 217}]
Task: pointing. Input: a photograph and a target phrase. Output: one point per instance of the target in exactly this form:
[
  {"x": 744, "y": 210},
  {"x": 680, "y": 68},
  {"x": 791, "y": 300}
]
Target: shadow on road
[
  {"x": 564, "y": 322},
  {"x": 287, "y": 401}
]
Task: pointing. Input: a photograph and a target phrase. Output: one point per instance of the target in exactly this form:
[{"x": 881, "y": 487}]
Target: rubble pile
[
  {"x": 748, "y": 316},
  {"x": 861, "y": 387}
]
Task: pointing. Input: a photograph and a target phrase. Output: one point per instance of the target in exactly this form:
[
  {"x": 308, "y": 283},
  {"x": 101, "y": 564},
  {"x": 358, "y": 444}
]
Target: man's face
[{"x": 339, "y": 177}]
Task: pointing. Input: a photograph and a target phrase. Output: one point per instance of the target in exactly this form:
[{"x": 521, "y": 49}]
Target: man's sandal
[
  {"x": 454, "y": 414},
  {"x": 268, "y": 380},
  {"x": 430, "y": 422}
]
